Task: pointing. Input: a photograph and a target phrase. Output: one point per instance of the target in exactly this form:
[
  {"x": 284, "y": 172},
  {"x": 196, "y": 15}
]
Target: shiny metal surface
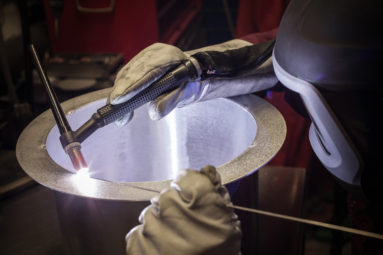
[
  {"x": 147, "y": 150},
  {"x": 238, "y": 135}
]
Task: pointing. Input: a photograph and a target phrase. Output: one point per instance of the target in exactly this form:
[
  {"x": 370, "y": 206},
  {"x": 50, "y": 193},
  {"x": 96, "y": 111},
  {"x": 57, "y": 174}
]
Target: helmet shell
[{"x": 335, "y": 45}]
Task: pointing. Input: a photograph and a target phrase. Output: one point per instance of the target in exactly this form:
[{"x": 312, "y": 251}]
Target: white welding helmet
[{"x": 330, "y": 53}]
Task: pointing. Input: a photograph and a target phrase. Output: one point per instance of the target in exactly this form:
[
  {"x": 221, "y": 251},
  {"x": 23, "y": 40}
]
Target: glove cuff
[{"x": 233, "y": 62}]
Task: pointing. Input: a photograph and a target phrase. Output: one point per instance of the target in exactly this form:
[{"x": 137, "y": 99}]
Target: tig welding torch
[
  {"x": 68, "y": 139},
  {"x": 184, "y": 72},
  {"x": 71, "y": 140}
]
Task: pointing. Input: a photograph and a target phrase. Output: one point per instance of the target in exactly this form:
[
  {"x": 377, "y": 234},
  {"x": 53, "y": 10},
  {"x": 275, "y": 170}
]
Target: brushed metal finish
[{"x": 237, "y": 135}]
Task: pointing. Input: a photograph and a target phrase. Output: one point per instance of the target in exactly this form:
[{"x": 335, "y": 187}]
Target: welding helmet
[{"x": 330, "y": 53}]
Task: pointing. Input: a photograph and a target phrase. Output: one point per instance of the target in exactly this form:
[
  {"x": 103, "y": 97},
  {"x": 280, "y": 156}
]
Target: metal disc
[{"x": 238, "y": 135}]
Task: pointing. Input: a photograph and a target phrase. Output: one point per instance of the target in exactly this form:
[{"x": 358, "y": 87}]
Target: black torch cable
[{"x": 57, "y": 111}]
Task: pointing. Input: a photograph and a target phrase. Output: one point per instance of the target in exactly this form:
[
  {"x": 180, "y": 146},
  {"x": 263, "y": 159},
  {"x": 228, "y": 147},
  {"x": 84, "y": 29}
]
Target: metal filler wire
[
  {"x": 309, "y": 222},
  {"x": 296, "y": 219}
]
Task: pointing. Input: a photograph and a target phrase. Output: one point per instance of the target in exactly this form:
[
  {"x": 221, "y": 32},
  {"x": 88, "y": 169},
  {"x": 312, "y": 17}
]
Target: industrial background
[{"x": 73, "y": 40}]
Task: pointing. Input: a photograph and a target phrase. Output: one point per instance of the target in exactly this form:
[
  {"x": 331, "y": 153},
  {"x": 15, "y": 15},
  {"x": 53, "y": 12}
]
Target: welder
[{"x": 329, "y": 52}]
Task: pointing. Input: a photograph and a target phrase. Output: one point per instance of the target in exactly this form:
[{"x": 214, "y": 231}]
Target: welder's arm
[
  {"x": 191, "y": 217},
  {"x": 227, "y": 69}
]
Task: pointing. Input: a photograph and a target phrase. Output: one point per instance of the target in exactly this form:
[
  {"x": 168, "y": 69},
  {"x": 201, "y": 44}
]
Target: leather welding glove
[
  {"x": 232, "y": 68},
  {"x": 191, "y": 217}
]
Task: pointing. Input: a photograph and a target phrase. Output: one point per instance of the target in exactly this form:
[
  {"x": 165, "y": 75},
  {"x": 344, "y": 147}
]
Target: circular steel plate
[{"x": 238, "y": 135}]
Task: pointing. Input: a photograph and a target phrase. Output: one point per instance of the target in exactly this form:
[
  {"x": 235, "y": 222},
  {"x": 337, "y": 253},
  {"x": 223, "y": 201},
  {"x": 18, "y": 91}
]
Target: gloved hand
[
  {"x": 191, "y": 217},
  {"x": 232, "y": 68}
]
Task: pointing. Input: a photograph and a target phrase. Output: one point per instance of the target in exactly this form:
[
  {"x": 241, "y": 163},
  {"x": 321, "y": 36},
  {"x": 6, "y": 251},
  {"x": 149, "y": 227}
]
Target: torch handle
[{"x": 110, "y": 113}]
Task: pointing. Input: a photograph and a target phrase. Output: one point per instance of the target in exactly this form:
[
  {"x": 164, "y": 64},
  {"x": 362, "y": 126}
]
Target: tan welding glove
[
  {"x": 232, "y": 68},
  {"x": 189, "y": 218}
]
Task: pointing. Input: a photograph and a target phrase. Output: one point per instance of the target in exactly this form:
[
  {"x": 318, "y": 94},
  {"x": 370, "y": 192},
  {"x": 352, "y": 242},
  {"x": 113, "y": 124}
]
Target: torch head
[
  {"x": 73, "y": 148},
  {"x": 77, "y": 158}
]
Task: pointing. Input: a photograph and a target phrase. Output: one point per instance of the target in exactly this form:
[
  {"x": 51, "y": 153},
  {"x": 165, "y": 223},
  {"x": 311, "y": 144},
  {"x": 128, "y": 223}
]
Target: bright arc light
[
  {"x": 84, "y": 183},
  {"x": 83, "y": 172}
]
